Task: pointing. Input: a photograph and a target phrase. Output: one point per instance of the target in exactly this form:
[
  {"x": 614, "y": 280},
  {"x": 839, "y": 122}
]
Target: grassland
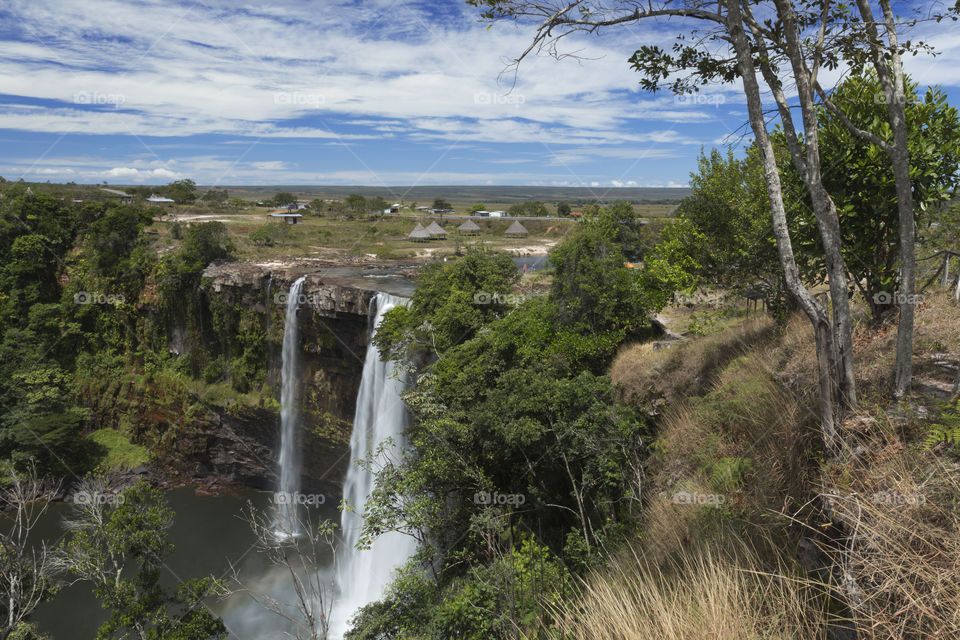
[
  {"x": 376, "y": 238},
  {"x": 119, "y": 453}
]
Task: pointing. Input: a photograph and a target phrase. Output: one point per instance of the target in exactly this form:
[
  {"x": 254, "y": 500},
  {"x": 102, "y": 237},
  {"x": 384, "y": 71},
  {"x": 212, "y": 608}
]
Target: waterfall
[
  {"x": 380, "y": 414},
  {"x": 289, "y": 417}
]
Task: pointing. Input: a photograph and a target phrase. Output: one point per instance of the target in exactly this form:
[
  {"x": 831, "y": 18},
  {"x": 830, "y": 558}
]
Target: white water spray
[
  {"x": 289, "y": 417},
  {"x": 362, "y": 575}
]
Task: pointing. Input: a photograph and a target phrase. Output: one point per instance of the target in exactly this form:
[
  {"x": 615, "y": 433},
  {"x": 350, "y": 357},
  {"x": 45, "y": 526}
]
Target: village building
[
  {"x": 516, "y": 230},
  {"x": 419, "y": 234},
  {"x": 436, "y": 231},
  {"x": 469, "y": 228},
  {"x": 289, "y": 218}
]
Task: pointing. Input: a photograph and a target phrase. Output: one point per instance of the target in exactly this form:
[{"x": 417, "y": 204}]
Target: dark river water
[{"x": 208, "y": 532}]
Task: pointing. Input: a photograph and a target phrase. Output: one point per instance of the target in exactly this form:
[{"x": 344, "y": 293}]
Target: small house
[
  {"x": 498, "y": 214},
  {"x": 289, "y": 218},
  {"x": 125, "y": 198},
  {"x": 159, "y": 200}
]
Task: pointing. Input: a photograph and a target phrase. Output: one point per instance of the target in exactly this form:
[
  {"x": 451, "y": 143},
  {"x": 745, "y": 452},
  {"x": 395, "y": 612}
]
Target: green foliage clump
[
  {"x": 946, "y": 431},
  {"x": 490, "y": 601},
  {"x": 119, "y": 546},
  {"x": 270, "y": 234},
  {"x": 119, "y": 453},
  {"x": 452, "y": 301},
  {"x": 859, "y": 177}
]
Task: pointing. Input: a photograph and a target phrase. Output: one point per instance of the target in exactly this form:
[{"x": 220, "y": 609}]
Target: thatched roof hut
[
  {"x": 435, "y": 231},
  {"x": 419, "y": 234},
  {"x": 469, "y": 228},
  {"x": 516, "y": 229}
]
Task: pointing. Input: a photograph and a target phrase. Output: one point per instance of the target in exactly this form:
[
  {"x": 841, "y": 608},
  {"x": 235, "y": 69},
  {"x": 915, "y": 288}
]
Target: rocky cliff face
[{"x": 334, "y": 326}]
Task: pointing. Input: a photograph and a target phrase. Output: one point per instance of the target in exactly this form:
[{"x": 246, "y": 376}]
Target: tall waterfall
[
  {"x": 289, "y": 416},
  {"x": 362, "y": 575}
]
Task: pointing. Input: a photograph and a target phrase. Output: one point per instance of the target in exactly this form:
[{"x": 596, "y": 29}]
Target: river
[{"x": 208, "y": 532}]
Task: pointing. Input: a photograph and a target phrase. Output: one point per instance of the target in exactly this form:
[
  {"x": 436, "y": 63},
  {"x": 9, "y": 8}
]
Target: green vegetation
[
  {"x": 120, "y": 454},
  {"x": 512, "y": 401},
  {"x": 74, "y": 327},
  {"x": 130, "y": 533}
]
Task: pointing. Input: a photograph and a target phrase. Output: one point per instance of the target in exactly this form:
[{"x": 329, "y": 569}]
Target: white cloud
[{"x": 153, "y": 69}]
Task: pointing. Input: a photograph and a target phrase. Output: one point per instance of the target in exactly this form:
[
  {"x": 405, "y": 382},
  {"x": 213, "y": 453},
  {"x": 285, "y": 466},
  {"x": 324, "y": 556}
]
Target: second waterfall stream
[{"x": 361, "y": 576}]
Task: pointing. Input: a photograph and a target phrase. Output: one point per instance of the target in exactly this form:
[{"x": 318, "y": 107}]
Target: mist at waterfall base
[{"x": 380, "y": 415}]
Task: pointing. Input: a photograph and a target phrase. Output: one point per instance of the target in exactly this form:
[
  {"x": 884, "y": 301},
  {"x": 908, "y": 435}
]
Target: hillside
[{"x": 749, "y": 530}]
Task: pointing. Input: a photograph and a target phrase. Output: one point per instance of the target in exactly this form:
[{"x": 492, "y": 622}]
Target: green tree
[
  {"x": 377, "y": 205},
  {"x": 534, "y": 208},
  {"x": 728, "y": 213},
  {"x": 284, "y": 198},
  {"x": 860, "y": 178},
  {"x": 112, "y": 239},
  {"x": 355, "y": 203},
  {"x": 182, "y": 191},
  {"x": 119, "y": 544},
  {"x": 440, "y": 203},
  {"x": 178, "y": 273},
  {"x": 451, "y": 302},
  {"x": 563, "y": 209},
  {"x": 593, "y": 289},
  {"x": 216, "y": 197}
]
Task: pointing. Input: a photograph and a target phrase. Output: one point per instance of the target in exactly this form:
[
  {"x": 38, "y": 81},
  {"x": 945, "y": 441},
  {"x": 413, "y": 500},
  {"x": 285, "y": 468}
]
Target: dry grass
[
  {"x": 899, "y": 507},
  {"x": 889, "y": 530},
  {"x": 705, "y": 595},
  {"x": 644, "y": 373}
]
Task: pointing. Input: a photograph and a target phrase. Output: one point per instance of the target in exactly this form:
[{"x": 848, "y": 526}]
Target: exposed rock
[
  {"x": 660, "y": 325},
  {"x": 334, "y": 323},
  {"x": 328, "y": 294},
  {"x": 934, "y": 388}
]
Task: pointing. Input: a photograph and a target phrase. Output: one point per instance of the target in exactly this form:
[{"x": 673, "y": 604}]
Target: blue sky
[{"x": 378, "y": 92}]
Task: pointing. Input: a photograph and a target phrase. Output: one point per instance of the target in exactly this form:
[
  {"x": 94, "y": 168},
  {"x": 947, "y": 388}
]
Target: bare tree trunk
[
  {"x": 889, "y": 68},
  {"x": 814, "y": 311},
  {"x": 828, "y": 222}
]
